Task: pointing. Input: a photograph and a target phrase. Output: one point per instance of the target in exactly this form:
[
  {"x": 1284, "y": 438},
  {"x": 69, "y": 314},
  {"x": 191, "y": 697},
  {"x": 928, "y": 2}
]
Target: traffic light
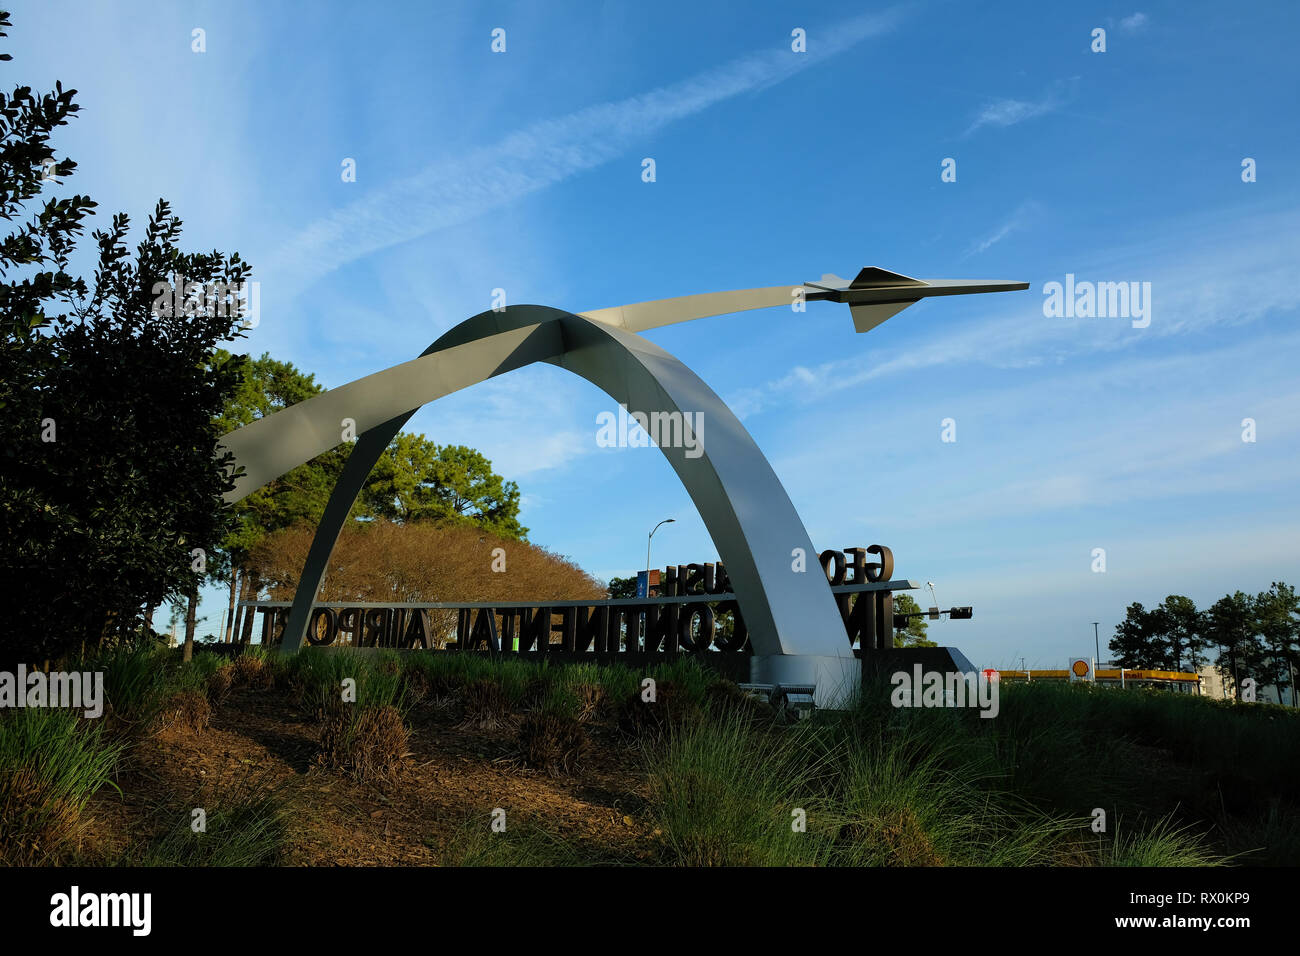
[{"x": 960, "y": 614}]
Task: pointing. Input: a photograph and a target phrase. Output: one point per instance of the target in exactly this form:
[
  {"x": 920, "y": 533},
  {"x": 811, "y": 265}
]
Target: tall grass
[
  {"x": 545, "y": 685},
  {"x": 723, "y": 794},
  {"x": 194, "y": 674},
  {"x": 874, "y": 785},
  {"x": 51, "y": 763},
  {"x": 246, "y": 825},
  {"x": 1148, "y": 752},
  {"x": 472, "y": 842},
  {"x": 926, "y": 800},
  {"x": 135, "y": 682},
  {"x": 319, "y": 677},
  {"x": 890, "y": 786},
  {"x": 1162, "y": 844}
]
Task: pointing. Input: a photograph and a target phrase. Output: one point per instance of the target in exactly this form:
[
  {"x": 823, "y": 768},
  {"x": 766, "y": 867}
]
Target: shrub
[
  {"x": 187, "y": 709},
  {"x": 251, "y": 670},
  {"x": 553, "y": 742},
  {"x": 671, "y": 709},
  {"x": 483, "y": 705},
  {"x": 366, "y": 742},
  {"x": 219, "y": 683}
]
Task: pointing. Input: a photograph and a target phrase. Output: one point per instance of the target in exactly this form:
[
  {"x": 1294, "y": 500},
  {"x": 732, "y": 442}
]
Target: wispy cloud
[
  {"x": 1019, "y": 219},
  {"x": 1134, "y": 23},
  {"x": 542, "y": 154},
  {"x": 1253, "y": 270},
  {"x": 1009, "y": 112}
]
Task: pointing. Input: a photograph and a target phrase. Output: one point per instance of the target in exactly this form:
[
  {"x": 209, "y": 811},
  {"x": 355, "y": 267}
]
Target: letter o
[
  {"x": 707, "y": 627},
  {"x": 836, "y": 560},
  {"x": 740, "y": 635},
  {"x": 331, "y": 627}
]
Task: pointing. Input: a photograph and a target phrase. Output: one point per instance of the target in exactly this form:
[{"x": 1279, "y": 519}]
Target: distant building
[{"x": 1220, "y": 686}]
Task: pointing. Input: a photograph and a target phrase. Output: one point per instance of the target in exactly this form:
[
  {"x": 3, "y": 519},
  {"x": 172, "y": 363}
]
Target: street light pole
[
  {"x": 1096, "y": 643},
  {"x": 647, "y": 551}
]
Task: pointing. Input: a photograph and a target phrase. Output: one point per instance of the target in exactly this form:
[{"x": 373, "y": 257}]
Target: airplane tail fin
[
  {"x": 873, "y": 277},
  {"x": 867, "y": 317}
]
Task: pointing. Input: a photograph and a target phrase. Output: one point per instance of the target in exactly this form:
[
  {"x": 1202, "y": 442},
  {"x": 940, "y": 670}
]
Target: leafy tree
[
  {"x": 1136, "y": 643},
  {"x": 423, "y": 561},
  {"x": 419, "y": 480},
  {"x": 414, "y": 481},
  {"x": 1278, "y": 628},
  {"x": 1167, "y": 637},
  {"x": 110, "y": 495},
  {"x": 622, "y": 587},
  {"x": 1229, "y": 625},
  {"x": 913, "y": 634},
  {"x": 1177, "y": 626}
]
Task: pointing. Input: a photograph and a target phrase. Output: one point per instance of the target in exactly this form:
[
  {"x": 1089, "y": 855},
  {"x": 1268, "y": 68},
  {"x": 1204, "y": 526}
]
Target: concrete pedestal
[{"x": 836, "y": 678}]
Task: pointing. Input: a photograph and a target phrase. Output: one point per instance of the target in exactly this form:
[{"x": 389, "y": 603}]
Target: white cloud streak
[
  {"x": 1134, "y": 23},
  {"x": 1018, "y": 220},
  {"x": 461, "y": 188},
  {"x": 1009, "y": 112}
]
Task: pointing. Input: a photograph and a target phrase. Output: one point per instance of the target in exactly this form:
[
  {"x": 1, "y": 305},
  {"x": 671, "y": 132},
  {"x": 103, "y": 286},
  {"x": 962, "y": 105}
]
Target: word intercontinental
[{"x": 694, "y": 611}]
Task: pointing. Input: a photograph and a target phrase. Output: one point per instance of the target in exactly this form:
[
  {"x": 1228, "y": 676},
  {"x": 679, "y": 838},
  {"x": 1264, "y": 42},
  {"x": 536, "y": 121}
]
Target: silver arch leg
[
  {"x": 747, "y": 512},
  {"x": 794, "y": 625}
]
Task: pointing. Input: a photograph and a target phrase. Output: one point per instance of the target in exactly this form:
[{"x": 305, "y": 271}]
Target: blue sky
[{"x": 522, "y": 170}]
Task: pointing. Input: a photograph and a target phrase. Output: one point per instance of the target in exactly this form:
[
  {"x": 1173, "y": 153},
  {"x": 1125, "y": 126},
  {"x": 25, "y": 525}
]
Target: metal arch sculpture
[{"x": 793, "y": 623}]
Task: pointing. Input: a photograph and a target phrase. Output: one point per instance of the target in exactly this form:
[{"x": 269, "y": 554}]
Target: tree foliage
[
  {"x": 415, "y": 481},
  {"x": 110, "y": 495},
  {"x": 913, "y": 634},
  {"x": 419, "y": 480},
  {"x": 622, "y": 587},
  {"x": 1170, "y": 636},
  {"x": 1256, "y": 636},
  {"x": 381, "y": 561}
]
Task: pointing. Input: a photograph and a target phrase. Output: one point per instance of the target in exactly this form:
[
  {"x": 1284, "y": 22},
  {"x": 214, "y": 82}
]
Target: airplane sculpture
[{"x": 794, "y": 625}]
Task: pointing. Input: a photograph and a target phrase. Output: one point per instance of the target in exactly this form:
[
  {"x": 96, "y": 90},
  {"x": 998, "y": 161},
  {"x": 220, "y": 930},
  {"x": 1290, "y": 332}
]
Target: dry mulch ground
[{"x": 452, "y": 774}]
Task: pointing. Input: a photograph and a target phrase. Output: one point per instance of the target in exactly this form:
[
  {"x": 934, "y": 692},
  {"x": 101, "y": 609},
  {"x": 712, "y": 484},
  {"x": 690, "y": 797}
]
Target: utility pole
[{"x": 1096, "y": 646}]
